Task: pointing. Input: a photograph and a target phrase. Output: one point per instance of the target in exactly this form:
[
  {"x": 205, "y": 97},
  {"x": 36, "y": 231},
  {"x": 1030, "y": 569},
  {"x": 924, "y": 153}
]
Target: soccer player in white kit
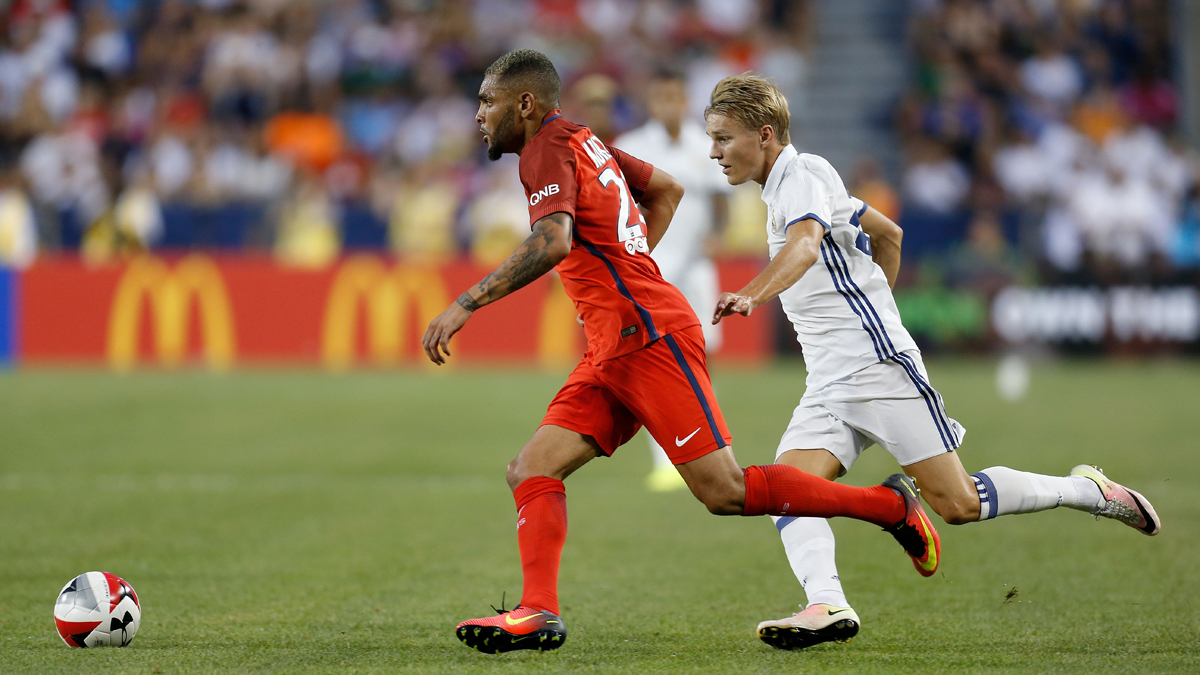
[
  {"x": 833, "y": 261},
  {"x": 679, "y": 146}
]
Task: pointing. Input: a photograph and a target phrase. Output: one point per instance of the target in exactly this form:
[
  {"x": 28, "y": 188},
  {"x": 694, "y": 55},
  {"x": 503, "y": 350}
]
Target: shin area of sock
[
  {"x": 809, "y": 545},
  {"x": 541, "y": 533},
  {"x": 781, "y": 490}
]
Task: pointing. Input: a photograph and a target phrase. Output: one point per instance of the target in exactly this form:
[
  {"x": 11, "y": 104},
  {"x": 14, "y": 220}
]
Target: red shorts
[{"x": 663, "y": 386}]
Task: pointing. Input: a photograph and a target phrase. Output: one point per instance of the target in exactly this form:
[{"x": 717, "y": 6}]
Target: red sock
[
  {"x": 782, "y": 490},
  {"x": 541, "y": 533}
]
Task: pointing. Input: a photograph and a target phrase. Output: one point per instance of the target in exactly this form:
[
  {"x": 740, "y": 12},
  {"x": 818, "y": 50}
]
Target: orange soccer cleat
[
  {"x": 517, "y": 628},
  {"x": 915, "y": 533}
]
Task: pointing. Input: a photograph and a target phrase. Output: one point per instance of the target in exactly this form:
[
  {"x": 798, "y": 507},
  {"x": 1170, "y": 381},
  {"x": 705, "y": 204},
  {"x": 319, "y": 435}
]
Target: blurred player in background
[
  {"x": 833, "y": 262},
  {"x": 645, "y": 363},
  {"x": 679, "y": 146}
]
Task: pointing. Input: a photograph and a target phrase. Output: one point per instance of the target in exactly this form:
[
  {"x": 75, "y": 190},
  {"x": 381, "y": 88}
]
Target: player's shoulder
[
  {"x": 813, "y": 171},
  {"x": 813, "y": 164}
]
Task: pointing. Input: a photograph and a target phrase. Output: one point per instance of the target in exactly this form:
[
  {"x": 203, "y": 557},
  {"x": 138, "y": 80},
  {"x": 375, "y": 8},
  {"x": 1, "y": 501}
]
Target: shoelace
[
  {"x": 503, "y": 597},
  {"x": 1118, "y": 510},
  {"x": 910, "y": 539}
]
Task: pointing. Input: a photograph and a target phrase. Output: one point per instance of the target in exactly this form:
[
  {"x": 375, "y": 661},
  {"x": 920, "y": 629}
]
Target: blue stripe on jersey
[
  {"x": 550, "y": 119},
  {"x": 784, "y": 522},
  {"x": 621, "y": 287},
  {"x": 873, "y": 324},
  {"x": 687, "y": 370},
  {"x": 804, "y": 217},
  {"x": 855, "y": 289},
  {"x": 862, "y": 242},
  {"x": 849, "y": 301},
  {"x": 932, "y": 398},
  {"x": 870, "y": 324}
]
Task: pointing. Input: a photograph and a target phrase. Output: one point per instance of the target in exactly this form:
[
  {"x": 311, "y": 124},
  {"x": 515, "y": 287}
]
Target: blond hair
[{"x": 752, "y": 101}]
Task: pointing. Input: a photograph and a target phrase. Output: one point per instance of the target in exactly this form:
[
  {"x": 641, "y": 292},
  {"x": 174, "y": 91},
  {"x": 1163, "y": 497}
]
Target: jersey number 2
[{"x": 628, "y": 233}]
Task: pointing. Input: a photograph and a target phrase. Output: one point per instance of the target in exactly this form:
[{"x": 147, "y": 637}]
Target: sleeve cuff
[
  {"x": 543, "y": 210},
  {"x": 807, "y": 216}
]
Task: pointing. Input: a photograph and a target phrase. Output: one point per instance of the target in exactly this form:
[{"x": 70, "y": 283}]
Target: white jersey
[
  {"x": 687, "y": 161},
  {"x": 842, "y": 308}
]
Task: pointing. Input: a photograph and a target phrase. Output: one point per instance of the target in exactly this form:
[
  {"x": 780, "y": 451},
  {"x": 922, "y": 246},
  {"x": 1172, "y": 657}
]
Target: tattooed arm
[{"x": 546, "y": 246}]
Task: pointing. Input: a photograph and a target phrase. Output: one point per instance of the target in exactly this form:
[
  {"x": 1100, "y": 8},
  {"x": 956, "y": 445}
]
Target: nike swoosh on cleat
[
  {"x": 509, "y": 620},
  {"x": 680, "y": 444},
  {"x": 839, "y": 612}
]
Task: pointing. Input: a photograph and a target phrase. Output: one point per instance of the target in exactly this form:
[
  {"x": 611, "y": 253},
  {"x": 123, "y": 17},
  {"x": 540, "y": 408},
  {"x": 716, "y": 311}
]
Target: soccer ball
[{"x": 97, "y": 609}]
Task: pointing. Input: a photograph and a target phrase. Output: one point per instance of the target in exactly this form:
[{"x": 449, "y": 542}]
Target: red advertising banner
[{"x": 366, "y": 311}]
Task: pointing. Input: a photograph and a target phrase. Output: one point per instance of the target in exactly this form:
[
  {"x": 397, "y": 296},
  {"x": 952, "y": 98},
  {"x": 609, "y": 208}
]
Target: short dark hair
[{"x": 530, "y": 70}]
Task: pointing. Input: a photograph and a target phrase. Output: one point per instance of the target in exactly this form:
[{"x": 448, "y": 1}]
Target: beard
[{"x": 502, "y": 137}]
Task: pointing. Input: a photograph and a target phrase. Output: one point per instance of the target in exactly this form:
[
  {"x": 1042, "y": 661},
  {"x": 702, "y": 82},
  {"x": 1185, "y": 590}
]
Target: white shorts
[{"x": 890, "y": 403}]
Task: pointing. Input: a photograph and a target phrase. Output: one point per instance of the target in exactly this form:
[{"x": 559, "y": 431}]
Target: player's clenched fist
[
  {"x": 729, "y": 304},
  {"x": 437, "y": 336}
]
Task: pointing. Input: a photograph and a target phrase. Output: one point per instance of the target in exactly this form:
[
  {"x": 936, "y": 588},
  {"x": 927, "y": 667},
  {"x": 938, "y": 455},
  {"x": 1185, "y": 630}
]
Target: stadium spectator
[
  {"x": 422, "y": 221},
  {"x": 308, "y": 232},
  {"x": 867, "y": 183},
  {"x": 225, "y": 104},
  {"x": 935, "y": 180},
  {"x": 985, "y": 262},
  {"x": 18, "y": 230},
  {"x": 499, "y": 217},
  {"x": 1082, "y": 103}
]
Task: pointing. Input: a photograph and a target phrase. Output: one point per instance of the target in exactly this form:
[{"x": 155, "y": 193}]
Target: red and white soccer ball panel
[{"x": 97, "y": 609}]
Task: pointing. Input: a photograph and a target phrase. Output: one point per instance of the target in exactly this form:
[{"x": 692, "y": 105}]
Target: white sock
[
  {"x": 661, "y": 461},
  {"x": 1003, "y": 491},
  {"x": 809, "y": 546}
]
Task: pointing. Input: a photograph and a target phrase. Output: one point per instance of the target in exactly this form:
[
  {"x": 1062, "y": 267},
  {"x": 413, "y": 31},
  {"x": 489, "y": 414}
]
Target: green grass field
[{"x": 297, "y": 522}]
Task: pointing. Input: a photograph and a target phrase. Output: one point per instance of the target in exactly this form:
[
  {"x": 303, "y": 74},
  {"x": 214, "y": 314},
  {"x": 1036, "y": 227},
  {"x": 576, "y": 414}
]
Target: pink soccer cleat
[{"x": 1121, "y": 503}]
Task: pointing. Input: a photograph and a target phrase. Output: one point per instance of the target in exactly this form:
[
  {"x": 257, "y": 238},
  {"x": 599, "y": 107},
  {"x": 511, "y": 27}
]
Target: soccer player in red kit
[{"x": 645, "y": 362}]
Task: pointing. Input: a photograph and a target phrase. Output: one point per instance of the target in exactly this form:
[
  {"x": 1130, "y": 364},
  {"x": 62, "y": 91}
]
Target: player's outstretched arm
[
  {"x": 547, "y": 245},
  {"x": 785, "y": 269},
  {"x": 658, "y": 203},
  {"x": 885, "y": 242}
]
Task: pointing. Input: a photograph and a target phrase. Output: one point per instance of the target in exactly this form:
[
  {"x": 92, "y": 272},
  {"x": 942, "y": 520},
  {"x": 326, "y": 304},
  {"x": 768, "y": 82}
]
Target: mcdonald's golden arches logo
[
  {"x": 170, "y": 293},
  {"x": 390, "y": 297}
]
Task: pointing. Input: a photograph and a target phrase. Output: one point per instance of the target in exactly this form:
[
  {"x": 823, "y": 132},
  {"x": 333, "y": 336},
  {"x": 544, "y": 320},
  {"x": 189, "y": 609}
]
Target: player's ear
[
  {"x": 765, "y": 135},
  {"x": 527, "y": 104}
]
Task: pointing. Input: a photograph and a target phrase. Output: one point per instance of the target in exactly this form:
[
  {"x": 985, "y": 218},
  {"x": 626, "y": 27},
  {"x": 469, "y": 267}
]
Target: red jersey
[{"x": 622, "y": 298}]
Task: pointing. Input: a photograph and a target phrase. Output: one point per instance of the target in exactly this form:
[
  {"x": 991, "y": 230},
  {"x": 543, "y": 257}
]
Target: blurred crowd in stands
[
  {"x": 1039, "y": 135},
  {"x": 310, "y": 126},
  {"x": 1056, "y": 121}
]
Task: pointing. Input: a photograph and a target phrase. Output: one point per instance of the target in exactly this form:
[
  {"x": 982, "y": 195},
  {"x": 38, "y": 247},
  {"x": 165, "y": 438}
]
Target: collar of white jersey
[{"x": 771, "y": 189}]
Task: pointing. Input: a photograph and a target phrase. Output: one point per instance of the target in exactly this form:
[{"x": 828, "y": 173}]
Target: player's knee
[
  {"x": 723, "y": 507},
  {"x": 514, "y": 474},
  {"x": 722, "y": 501},
  {"x": 957, "y": 511}
]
